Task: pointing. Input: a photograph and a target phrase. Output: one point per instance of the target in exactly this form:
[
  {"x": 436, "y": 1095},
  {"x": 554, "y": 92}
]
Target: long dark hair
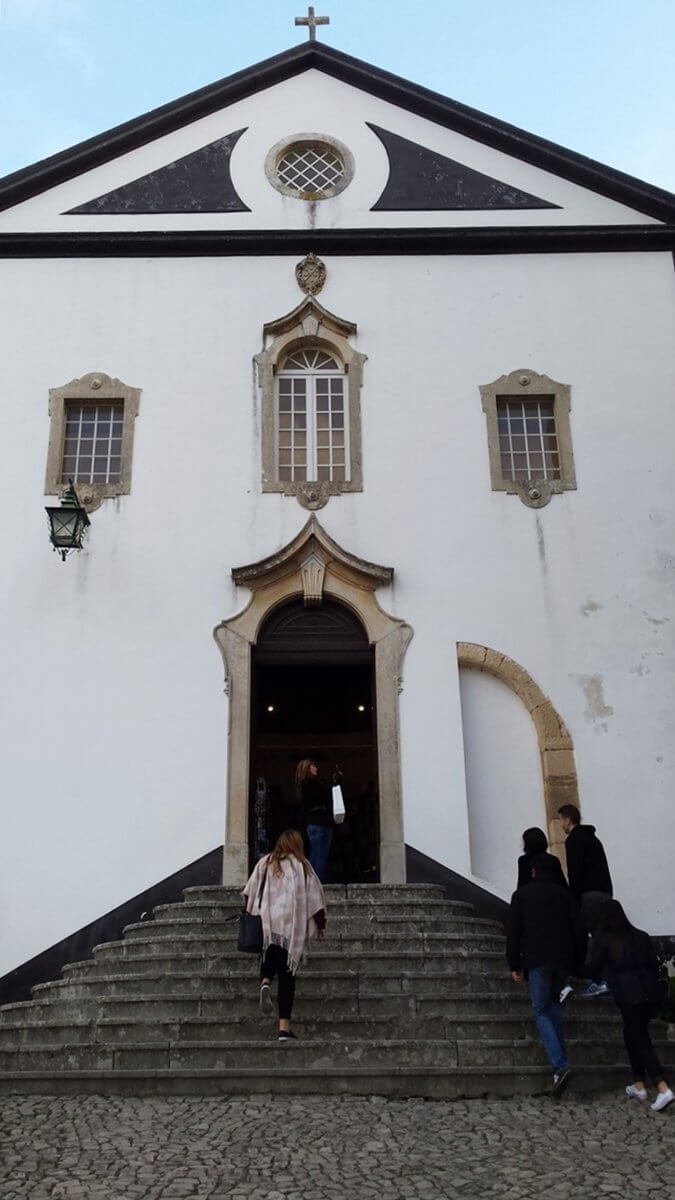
[
  {"x": 622, "y": 938},
  {"x": 534, "y": 841}
]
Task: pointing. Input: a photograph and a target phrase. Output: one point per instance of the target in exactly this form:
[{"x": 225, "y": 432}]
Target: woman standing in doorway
[
  {"x": 285, "y": 892},
  {"x": 317, "y": 808}
]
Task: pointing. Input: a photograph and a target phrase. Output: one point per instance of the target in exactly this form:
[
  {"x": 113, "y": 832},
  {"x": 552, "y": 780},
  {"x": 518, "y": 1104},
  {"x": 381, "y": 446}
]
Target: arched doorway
[
  {"x": 314, "y": 570},
  {"x": 313, "y": 696}
]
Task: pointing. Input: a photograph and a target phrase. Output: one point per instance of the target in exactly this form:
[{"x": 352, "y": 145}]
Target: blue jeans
[
  {"x": 545, "y": 984},
  {"x": 319, "y": 844}
]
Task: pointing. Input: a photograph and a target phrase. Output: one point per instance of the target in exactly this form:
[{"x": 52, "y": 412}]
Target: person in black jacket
[
  {"x": 545, "y": 940},
  {"x": 587, "y": 870},
  {"x": 626, "y": 957},
  {"x": 534, "y": 842},
  {"x": 317, "y": 806},
  {"x": 588, "y": 874}
]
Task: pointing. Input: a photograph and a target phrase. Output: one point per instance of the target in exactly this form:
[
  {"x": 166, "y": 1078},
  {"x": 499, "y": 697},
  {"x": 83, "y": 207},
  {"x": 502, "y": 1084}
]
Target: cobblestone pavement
[{"x": 314, "y": 1148}]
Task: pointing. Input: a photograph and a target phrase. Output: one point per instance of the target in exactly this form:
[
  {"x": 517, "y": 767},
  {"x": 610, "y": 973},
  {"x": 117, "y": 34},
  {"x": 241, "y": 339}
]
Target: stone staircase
[{"x": 408, "y": 996}]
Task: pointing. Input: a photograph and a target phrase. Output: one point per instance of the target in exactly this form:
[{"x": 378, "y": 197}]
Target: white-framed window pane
[
  {"x": 528, "y": 442},
  {"x": 311, "y": 416},
  {"x": 92, "y": 442}
]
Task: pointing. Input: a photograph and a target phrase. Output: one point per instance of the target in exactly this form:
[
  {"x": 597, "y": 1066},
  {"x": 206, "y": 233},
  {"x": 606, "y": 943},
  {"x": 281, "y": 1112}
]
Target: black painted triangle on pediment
[
  {"x": 424, "y": 180},
  {"x": 198, "y": 182}
]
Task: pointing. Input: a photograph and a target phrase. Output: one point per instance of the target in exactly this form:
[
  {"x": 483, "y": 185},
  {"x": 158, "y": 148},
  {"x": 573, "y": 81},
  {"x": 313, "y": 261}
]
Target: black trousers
[
  {"x": 636, "y": 1018},
  {"x": 275, "y": 963}
]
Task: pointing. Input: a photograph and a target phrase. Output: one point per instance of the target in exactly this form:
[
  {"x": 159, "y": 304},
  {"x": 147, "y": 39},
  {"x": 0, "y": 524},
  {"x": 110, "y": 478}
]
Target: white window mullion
[
  {"x": 312, "y": 464},
  {"x": 78, "y": 446}
]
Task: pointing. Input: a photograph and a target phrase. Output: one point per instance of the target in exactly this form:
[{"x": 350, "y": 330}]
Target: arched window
[
  {"x": 310, "y": 380},
  {"x": 312, "y": 417}
]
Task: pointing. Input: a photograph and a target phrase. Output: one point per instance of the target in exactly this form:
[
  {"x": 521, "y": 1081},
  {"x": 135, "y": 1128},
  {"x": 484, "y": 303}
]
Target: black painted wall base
[{"x": 16, "y": 985}]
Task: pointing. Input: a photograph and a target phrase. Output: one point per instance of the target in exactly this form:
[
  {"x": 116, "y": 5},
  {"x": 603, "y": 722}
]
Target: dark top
[
  {"x": 632, "y": 971},
  {"x": 587, "y": 868},
  {"x": 525, "y": 870},
  {"x": 544, "y": 927},
  {"x": 317, "y": 804}
]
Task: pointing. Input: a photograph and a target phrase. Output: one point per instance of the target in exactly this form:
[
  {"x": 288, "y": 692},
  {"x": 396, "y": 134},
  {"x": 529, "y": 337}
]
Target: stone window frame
[
  {"x": 529, "y": 384},
  {"x": 92, "y": 388},
  {"x": 281, "y": 148},
  {"x": 310, "y": 325}
]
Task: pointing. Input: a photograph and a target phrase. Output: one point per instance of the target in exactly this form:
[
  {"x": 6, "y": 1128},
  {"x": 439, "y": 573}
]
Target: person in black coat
[
  {"x": 317, "y": 806},
  {"x": 587, "y": 869},
  {"x": 626, "y": 957},
  {"x": 545, "y": 940},
  {"x": 534, "y": 842}
]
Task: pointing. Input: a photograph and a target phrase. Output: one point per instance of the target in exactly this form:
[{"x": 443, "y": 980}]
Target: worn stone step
[
  {"x": 528, "y": 1051},
  {"x": 183, "y": 919},
  {"x": 177, "y": 1006},
  {"x": 228, "y": 1054},
  {"x": 395, "y": 1082},
  {"x": 330, "y": 958},
  {"x": 209, "y": 937},
  {"x": 324, "y": 1054},
  {"x": 407, "y": 1025},
  {"x": 384, "y": 894}
]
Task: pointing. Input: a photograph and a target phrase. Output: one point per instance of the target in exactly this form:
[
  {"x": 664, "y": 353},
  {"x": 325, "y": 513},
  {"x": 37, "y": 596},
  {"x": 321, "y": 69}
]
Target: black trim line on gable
[
  {"x": 615, "y": 185},
  {"x": 560, "y": 239}
]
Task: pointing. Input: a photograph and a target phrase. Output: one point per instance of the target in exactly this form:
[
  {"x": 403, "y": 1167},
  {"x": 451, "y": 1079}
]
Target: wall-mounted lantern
[{"x": 67, "y": 522}]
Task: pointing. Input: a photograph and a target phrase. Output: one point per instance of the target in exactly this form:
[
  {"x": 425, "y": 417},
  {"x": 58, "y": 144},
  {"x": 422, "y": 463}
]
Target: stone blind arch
[{"x": 556, "y": 748}]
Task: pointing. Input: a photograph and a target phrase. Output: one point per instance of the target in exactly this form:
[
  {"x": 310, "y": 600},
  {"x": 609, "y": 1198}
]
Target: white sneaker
[
  {"x": 266, "y": 1002},
  {"x": 635, "y": 1092},
  {"x": 565, "y": 994},
  {"x": 662, "y": 1100}
]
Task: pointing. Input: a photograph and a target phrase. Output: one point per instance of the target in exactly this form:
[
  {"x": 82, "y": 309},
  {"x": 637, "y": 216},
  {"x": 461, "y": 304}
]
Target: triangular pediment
[
  {"x": 311, "y": 552},
  {"x": 200, "y": 164}
]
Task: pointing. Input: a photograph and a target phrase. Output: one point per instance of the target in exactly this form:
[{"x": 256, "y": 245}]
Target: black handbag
[{"x": 250, "y": 933}]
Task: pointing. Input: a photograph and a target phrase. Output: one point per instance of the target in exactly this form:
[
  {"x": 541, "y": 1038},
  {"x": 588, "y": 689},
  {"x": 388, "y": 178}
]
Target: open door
[{"x": 313, "y": 696}]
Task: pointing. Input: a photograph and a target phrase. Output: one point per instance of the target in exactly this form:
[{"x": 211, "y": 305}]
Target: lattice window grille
[
  {"x": 313, "y": 441},
  {"x": 313, "y": 169},
  {"x": 92, "y": 447},
  {"x": 528, "y": 441}
]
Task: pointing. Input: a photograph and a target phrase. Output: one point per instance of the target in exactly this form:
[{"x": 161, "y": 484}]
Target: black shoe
[
  {"x": 285, "y": 1035},
  {"x": 560, "y": 1081}
]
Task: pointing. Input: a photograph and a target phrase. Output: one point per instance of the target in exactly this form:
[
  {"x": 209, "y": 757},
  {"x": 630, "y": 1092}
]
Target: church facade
[{"x": 369, "y": 400}]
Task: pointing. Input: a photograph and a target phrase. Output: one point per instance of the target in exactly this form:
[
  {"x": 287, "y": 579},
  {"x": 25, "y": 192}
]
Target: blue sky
[{"x": 594, "y": 75}]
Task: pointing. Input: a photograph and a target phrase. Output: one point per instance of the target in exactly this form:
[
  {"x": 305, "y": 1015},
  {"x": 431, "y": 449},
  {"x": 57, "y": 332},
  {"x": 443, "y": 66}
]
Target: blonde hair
[
  {"x": 289, "y": 844},
  {"x": 302, "y": 774}
]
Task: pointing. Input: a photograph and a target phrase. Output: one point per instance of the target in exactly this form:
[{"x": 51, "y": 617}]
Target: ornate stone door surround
[{"x": 313, "y": 565}]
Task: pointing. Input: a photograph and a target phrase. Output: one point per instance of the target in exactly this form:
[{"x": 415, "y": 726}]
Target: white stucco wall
[
  {"x": 503, "y": 777},
  {"x": 113, "y": 714}
]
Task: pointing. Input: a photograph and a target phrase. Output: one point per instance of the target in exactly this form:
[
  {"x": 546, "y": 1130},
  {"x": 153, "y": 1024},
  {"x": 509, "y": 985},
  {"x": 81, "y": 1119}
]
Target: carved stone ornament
[
  {"x": 312, "y": 572},
  {"x": 313, "y": 495},
  {"x": 311, "y": 275},
  {"x": 536, "y": 493}
]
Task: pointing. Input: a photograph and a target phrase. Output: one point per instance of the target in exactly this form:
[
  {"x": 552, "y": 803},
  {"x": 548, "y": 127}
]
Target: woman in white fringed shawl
[{"x": 284, "y": 890}]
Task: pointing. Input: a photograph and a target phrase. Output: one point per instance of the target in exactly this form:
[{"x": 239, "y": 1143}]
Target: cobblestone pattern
[{"x": 351, "y": 1148}]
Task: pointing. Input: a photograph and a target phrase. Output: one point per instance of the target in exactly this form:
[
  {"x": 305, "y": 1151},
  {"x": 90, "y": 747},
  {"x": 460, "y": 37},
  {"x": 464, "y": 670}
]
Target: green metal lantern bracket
[{"x": 67, "y": 522}]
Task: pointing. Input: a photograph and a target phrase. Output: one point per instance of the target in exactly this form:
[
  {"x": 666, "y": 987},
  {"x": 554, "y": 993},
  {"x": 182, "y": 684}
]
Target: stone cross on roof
[{"x": 311, "y": 21}]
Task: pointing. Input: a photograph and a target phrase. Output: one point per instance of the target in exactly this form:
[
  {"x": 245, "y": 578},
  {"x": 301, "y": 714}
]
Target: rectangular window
[
  {"x": 313, "y": 442},
  {"x": 92, "y": 444},
  {"x": 528, "y": 440}
]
